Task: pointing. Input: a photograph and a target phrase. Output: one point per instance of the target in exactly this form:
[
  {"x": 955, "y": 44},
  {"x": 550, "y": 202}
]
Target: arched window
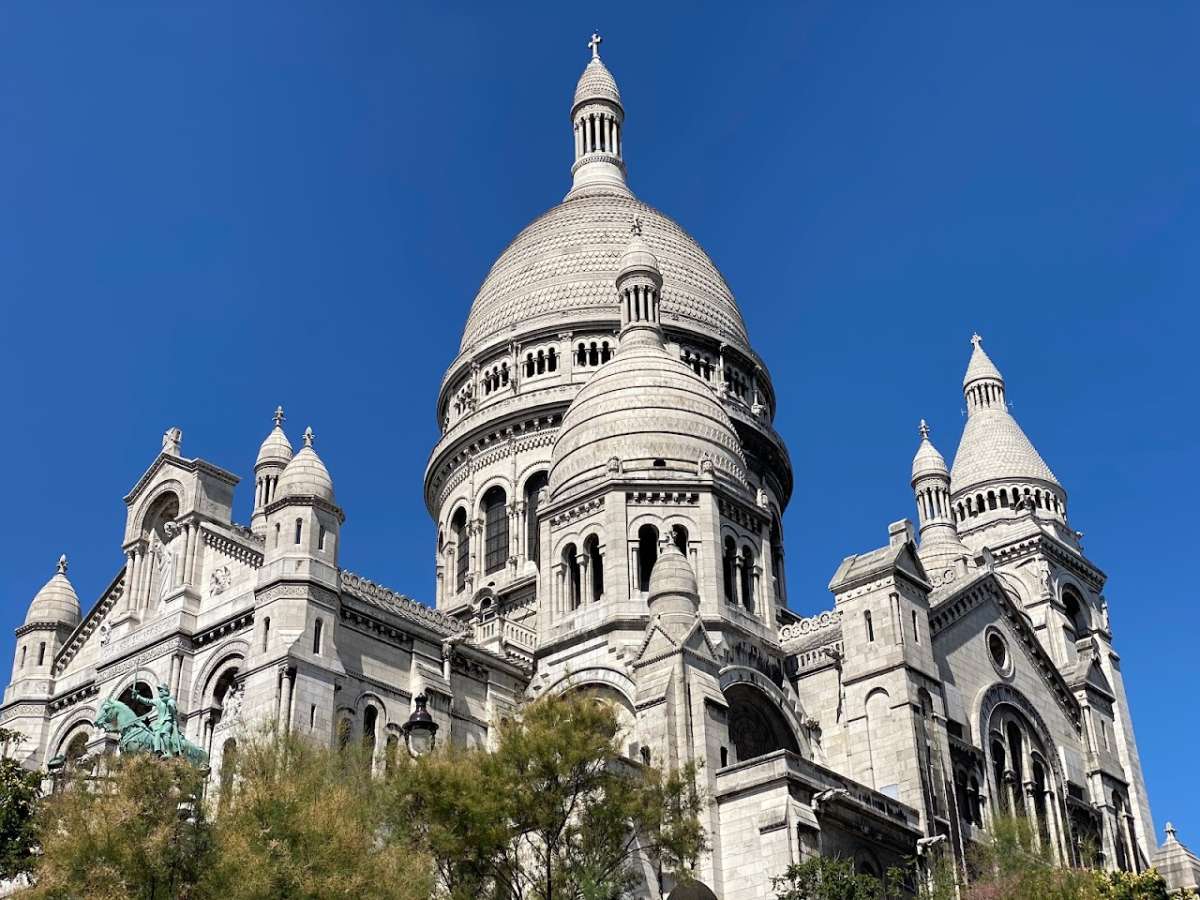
[
  {"x": 370, "y": 717},
  {"x": 581, "y": 354},
  {"x": 679, "y": 535},
  {"x": 570, "y": 558},
  {"x": 870, "y": 626},
  {"x": 266, "y": 634},
  {"x": 998, "y": 770},
  {"x": 42, "y": 653},
  {"x": 605, "y": 352},
  {"x": 462, "y": 548},
  {"x": 533, "y": 487},
  {"x": 593, "y": 355},
  {"x": 495, "y": 518},
  {"x": 595, "y": 567},
  {"x": 728, "y": 565},
  {"x": 76, "y": 747},
  {"x": 132, "y": 697},
  {"x": 991, "y": 499},
  {"x": 776, "y": 559},
  {"x": 1078, "y": 627},
  {"x": 748, "y": 578},
  {"x": 299, "y": 529},
  {"x": 321, "y": 538},
  {"x": 318, "y": 628},
  {"x": 647, "y": 554},
  {"x": 1016, "y": 755},
  {"x": 23, "y": 649},
  {"x": 552, "y": 360},
  {"x": 528, "y": 365},
  {"x": 1003, "y": 498}
]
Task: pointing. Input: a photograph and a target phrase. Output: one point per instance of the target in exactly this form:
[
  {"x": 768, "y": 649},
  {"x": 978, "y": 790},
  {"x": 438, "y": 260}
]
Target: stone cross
[
  {"x": 976, "y": 340},
  {"x": 308, "y": 436},
  {"x": 594, "y": 43},
  {"x": 924, "y": 429},
  {"x": 62, "y": 564},
  {"x": 278, "y": 416}
]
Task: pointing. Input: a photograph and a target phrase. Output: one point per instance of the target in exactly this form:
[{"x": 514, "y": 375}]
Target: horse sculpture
[{"x": 137, "y": 736}]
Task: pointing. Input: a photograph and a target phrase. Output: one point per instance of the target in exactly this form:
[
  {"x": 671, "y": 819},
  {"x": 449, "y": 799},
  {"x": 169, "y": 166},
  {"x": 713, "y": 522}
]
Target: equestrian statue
[{"x": 139, "y": 735}]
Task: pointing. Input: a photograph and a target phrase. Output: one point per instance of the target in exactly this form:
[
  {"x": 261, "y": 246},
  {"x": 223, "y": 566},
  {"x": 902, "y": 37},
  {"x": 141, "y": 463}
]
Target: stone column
[
  {"x": 147, "y": 571},
  {"x": 583, "y": 560},
  {"x": 131, "y": 577},
  {"x": 285, "y": 703},
  {"x": 192, "y": 529},
  {"x": 738, "y": 564}
]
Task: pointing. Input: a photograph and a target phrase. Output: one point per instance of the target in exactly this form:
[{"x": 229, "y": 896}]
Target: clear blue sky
[{"x": 209, "y": 209}]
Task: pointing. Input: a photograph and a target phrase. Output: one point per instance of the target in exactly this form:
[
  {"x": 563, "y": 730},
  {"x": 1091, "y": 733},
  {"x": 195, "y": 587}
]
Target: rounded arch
[
  {"x": 80, "y": 720},
  {"x": 152, "y": 506},
  {"x": 777, "y": 716},
  {"x": 233, "y": 652},
  {"x": 1077, "y": 610},
  {"x": 489, "y": 485},
  {"x": 366, "y": 698},
  {"x": 536, "y": 472},
  {"x": 596, "y": 676},
  {"x": 994, "y": 700}
]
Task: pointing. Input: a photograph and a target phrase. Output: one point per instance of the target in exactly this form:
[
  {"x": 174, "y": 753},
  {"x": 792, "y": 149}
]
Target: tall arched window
[
  {"x": 370, "y": 717},
  {"x": 748, "y": 578},
  {"x": 266, "y": 634},
  {"x": 595, "y": 567},
  {"x": 1078, "y": 627},
  {"x": 728, "y": 565},
  {"x": 533, "y": 487},
  {"x": 647, "y": 554},
  {"x": 998, "y": 770},
  {"x": 495, "y": 519},
  {"x": 679, "y": 535},
  {"x": 462, "y": 548},
  {"x": 318, "y": 628},
  {"x": 570, "y": 558}
]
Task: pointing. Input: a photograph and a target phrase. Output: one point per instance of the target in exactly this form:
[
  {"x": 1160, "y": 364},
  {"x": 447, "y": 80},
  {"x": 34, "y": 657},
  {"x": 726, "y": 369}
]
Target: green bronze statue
[{"x": 139, "y": 735}]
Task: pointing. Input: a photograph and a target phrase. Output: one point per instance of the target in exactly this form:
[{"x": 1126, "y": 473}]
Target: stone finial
[
  {"x": 308, "y": 436},
  {"x": 279, "y": 417},
  {"x": 62, "y": 564},
  {"x": 977, "y": 340},
  {"x": 924, "y": 429},
  {"x": 1171, "y": 832},
  {"x": 594, "y": 44},
  {"x": 172, "y": 441}
]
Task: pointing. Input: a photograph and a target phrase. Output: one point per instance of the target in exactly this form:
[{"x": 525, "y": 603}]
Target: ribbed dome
[
  {"x": 993, "y": 446},
  {"x": 928, "y": 461},
  {"x": 306, "y": 475},
  {"x": 652, "y": 413},
  {"x": 561, "y": 268},
  {"x": 596, "y": 83},
  {"x": 275, "y": 449},
  {"x": 57, "y": 601}
]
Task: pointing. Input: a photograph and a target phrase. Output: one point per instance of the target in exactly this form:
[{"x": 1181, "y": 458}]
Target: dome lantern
[{"x": 597, "y": 120}]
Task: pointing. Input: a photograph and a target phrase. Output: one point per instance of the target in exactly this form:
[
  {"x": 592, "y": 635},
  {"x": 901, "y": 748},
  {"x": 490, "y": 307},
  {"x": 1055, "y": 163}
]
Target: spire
[
  {"x": 597, "y": 119},
  {"x": 308, "y": 436},
  {"x": 62, "y": 565},
  {"x": 983, "y": 385},
  {"x": 639, "y": 287},
  {"x": 279, "y": 417}
]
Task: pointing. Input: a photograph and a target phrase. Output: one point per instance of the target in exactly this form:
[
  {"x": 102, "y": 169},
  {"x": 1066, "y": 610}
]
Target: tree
[
  {"x": 306, "y": 821},
  {"x": 826, "y": 878},
  {"x": 20, "y": 790},
  {"x": 555, "y": 812},
  {"x": 138, "y": 831}
]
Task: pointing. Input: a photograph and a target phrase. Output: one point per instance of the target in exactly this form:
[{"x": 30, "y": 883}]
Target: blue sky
[{"x": 207, "y": 210}]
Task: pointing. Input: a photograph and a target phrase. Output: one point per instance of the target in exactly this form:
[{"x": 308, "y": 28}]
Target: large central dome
[{"x": 561, "y": 268}]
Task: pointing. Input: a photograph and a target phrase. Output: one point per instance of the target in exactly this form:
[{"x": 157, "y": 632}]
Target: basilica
[{"x": 607, "y": 495}]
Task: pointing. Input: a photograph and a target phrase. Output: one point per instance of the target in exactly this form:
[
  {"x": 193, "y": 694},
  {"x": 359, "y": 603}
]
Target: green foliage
[
  {"x": 20, "y": 790},
  {"x": 136, "y": 832},
  {"x": 826, "y": 878},
  {"x": 555, "y": 812},
  {"x": 304, "y": 821}
]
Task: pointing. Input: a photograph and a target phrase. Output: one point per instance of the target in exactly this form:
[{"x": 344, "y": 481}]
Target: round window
[{"x": 998, "y": 650}]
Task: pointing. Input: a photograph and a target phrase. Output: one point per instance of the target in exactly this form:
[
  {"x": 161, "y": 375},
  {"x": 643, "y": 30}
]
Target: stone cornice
[
  {"x": 302, "y": 500},
  {"x": 231, "y": 547},
  {"x": 1055, "y": 550}
]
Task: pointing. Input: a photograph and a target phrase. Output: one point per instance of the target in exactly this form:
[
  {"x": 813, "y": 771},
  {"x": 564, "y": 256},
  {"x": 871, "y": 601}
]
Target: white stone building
[{"x": 608, "y": 491}]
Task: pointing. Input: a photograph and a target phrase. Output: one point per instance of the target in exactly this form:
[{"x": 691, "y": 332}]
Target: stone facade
[{"x": 608, "y": 490}]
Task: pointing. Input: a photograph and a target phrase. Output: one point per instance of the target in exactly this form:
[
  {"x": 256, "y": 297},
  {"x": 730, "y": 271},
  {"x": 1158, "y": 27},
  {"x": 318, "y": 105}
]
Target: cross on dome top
[
  {"x": 594, "y": 44},
  {"x": 308, "y": 436},
  {"x": 976, "y": 340},
  {"x": 924, "y": 429},
  {"x": 278, "y": 416},
  {"x": 62, "y": 564}
]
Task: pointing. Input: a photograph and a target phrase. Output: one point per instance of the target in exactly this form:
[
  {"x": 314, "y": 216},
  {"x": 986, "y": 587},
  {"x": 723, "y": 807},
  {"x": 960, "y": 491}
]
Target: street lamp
[{"x": 420, "y": 730}]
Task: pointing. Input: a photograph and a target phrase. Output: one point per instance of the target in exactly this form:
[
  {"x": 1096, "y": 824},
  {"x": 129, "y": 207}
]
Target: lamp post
[{"x": 420, "y": 731}]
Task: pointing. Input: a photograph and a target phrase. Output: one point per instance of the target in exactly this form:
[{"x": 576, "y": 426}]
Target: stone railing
[{"x": 811, "y": 625}]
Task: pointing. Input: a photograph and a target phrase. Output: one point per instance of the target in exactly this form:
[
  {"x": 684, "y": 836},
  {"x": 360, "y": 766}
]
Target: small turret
[
  {"x": 639, "y": 285},
  {"x": 940, "y": 548},
  {"x": 273, "y": 456},
  {"x": 53, "y": 615}
]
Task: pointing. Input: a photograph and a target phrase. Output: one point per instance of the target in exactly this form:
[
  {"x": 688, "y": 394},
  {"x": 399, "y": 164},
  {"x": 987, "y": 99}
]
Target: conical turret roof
[
  {"x": 275, "y": 448},
  {"x": 928, "y": 461},
  {"x": 306, "y": 475}
]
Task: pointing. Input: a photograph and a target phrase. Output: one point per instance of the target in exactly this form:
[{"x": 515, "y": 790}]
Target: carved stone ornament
[{"x": 219, "y": 580}]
